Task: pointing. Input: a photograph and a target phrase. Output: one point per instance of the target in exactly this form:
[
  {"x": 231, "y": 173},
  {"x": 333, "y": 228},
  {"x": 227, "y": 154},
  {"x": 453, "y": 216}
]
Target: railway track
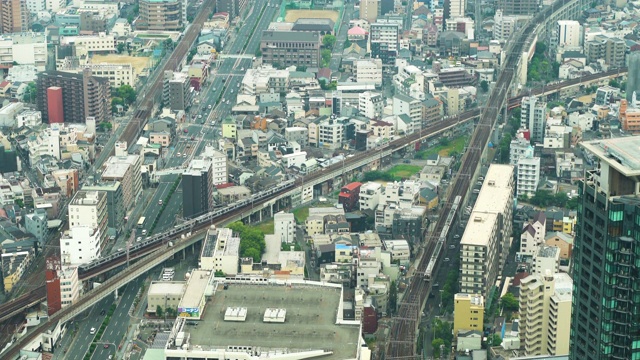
[{"x": 402, "y": 339}]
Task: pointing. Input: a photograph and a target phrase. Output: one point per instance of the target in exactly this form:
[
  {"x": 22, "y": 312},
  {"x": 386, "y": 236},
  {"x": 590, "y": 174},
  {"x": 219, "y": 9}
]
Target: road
[
  {"x": 341, "y": 37},
  {"x": 82, "y": 340},
  {"x": 119, "y": 323}
]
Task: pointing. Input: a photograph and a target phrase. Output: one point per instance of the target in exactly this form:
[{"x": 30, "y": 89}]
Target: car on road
[
  {"x": 92, "y": 331},
  {"x": 446, "y": 259},
  {"x": 199, "y": 116},
  {"x": 139, "y": 238},
  {"x": 102, "y": 312},
  {"x": 144, "y": 231},
  {"x": 456, "y": 236},
  {"x": 185, "y": 131},
  {"x": 452, "y": 247},
  {"x": 179, "y": 154},
  {"x": 106, "y": 346},
  {"x": 184, "y": 155}
]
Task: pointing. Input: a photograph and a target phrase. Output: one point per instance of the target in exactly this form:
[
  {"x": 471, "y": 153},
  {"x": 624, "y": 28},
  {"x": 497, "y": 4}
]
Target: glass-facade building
[{"x": 605, "y": 321}]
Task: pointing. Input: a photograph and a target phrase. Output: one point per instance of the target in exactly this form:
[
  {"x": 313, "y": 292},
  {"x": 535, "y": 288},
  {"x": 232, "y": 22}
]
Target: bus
[{"x": 141, "y": 222}]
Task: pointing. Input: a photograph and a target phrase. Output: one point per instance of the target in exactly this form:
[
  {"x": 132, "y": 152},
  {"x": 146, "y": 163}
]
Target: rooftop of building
[
  {"x": 496, "y": 189},
  {"x": 545, "y": 251},
  {"x": 167, "y": 288},
  {"x": 479, "y": 228},
  {"x": 116, "y": 170},
  {"x": 475, "y": 299},
  {"x": 195, "y": 288},
  {"x": 310, "y": 321},
  {"x": 87, "y": 197},
  {"x": 622, "y": 154},
  {"x": 292, "y": 36}
]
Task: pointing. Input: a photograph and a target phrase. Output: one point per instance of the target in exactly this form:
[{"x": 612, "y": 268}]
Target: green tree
[
  {"x": 572, "y": 204},
  {"x": 121, "y": 48},
  {"x": 301, "y": 68},
  {"x": 437, "y": 344},
  {"x": 258, "y": 53},
  {"x": 393, "y": 298},
  {"x": 484, "y": 85},
  {"x": 328, "y": 41},
  {"x": 614, "y": 83},
  {"x": 159, "y": 311},
  {"x": 496, "y": 340},
  {"x": 126, "y": 93},
  {"x": 505, "y": 147},
  {"x": 30, "y": 92},
  {"x": 168, "y": 43},
  {"x": 326, "y": 57},
  {"x": 444, "y": 141},
  {"x": 219, "y": 273},
  {"x": 509, "y": 302},
  {"x": 191, "y": 54},
  {"x": 560, "y": 199},
  {"x": 443, "y": 330}
]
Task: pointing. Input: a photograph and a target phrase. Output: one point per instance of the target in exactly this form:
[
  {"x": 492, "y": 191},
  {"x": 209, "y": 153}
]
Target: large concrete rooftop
[
  {"x": 310, "y": 322},
  {"x": 623, "y": 154}
]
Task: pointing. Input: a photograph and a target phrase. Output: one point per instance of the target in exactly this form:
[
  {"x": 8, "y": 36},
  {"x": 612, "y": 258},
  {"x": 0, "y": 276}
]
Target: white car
[
  {"x": 179, "y": 154},
  {"x": 92, "y": 331}
]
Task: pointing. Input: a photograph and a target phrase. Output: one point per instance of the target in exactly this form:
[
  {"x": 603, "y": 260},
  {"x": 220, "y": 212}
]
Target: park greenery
[
  {"x": 326, "y": 57},
  {"x": 442, "y": 338},
  {"x": 449, "y": 289},
  {"x": 541, "y": 69},
  {"x": 251, "y": 240},
  {"x": 543, "y": 198}
]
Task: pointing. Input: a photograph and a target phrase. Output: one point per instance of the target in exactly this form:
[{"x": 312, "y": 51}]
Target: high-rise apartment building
[
  {"x": 169, "y": 15},
  {"x": 468, "y": 312},
  {"x": 611, "y": 50},
  {"x": 528, "y": 174},
  {"x": 197, "y": 188},
  {"x": 88, "y": 227},
  {"x": 457, "y": 8},
  {"x": 606, "y": 297},
  {"x": 116, "y": 210},
  {"x": 519, "y": 7},
  {"x": 545, "y": 308},
  {"x": 233, "y": 7},
  {"x": 568, "y": 33},
  {"x": 177, "y": 92},
  {"x": 14, "y": 16},
  {"x": 487, "y": 237},
  {"x": 83, "y": 95},
  {"x": 633, "y": 78},
  {"x": 533, "y": 116},
  {"x": 370, "y": 9},
  {"x": 128, "y": 171},
  {"x": 384, "y": 43}
]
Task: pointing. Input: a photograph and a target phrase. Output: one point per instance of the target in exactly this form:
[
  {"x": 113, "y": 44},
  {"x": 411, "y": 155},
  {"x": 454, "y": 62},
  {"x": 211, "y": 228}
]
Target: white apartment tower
[
  {"x": 89, "y": 209},
  {"x": 69, "y": 285},
  {"x": 369, "y": 71},
  {"x": 568, "y": 32},
  {"x": 370, "y": 104},
  {"x": 528, "y": 173},
  {"x": 487, "y": 237},
  {"x": 533, "y": 116},
  {"x": 457, "y": 8},
  {"x": 219, "y": 169},
  {"x": 545, "y": 314},
  {"x": 284, "y": 226}
]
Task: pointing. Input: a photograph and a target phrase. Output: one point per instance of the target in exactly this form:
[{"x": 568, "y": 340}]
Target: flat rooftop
[
  {"x": 622, "y": 154},
  {"x": 309, "y": 324},
  {"x": 497, "y": 189},
  {"x": 115, "y": 170},
  {"x": 479, "y": 228},
  {"x": 196, "y": 286},
  {"x": 166, "y": 287}
]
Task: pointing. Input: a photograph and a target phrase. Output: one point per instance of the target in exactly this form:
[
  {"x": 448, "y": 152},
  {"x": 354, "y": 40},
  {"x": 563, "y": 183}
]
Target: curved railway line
[{"x": 402, "y": 342}]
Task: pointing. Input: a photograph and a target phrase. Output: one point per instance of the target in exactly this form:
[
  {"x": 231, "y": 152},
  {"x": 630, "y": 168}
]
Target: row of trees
[
  {"x": 449, "y": 289},
  {"x": 543, "y": 198},
  {"x": 442, "y": 337},
  {"x": 169, "y": 311},
  {"x": 540, "y": 68},
  {"x": 251, "y": 240}
]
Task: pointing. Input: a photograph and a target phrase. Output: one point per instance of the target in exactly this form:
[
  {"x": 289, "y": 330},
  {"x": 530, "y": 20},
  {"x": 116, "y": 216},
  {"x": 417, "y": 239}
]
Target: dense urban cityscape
[{"x": 297, "y": 179}]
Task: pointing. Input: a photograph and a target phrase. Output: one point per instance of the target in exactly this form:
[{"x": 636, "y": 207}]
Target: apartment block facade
[
  {"x": 545, "y": 308},
  {"x": 487, "y": 237},
  {"x": 286, "y": 48},
  {"x": 83, "y": 95},
  {"x": 14, "y": 16},
  {"x": 384, "y": 41},
  {"x": 611, "y": 50},
  {"x": 197, "y": 188},
  {"x": 533, "y": 116},
  {"x": 164, "y": 15}
]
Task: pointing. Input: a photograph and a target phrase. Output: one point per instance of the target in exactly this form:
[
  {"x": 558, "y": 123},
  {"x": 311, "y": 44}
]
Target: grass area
[
  {"x": 301, "y": 214},
  {"x": 404, "y": 171},
  {"x": 454, "y": 146},
  {"x": 266, "y": 227}
]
